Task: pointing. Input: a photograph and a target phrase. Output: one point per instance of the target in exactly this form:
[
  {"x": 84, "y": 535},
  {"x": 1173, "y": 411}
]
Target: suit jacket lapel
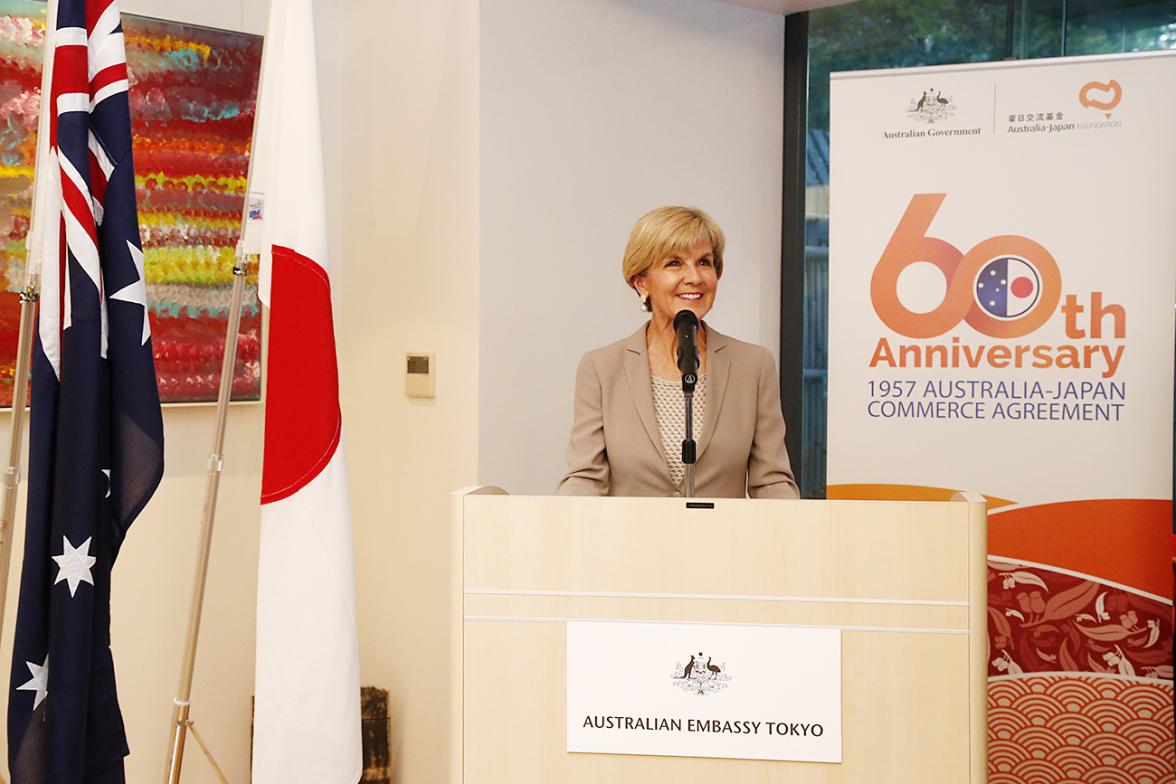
[
  {"x": 641, "y": 388},
  {"x": 718, "y": 370}
]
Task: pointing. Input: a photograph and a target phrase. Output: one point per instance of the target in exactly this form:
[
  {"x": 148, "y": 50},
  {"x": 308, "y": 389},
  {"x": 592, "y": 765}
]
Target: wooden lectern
[{"x": 904, "y": 581}]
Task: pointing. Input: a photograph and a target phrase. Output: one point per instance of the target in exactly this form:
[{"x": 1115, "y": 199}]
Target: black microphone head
[
  {"x": 685, "y": 318},
  {"x": 686, "y": 328}
]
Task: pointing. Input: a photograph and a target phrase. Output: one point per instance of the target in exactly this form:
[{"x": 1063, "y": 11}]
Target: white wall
[
  {"x": 592, "y": 113},
  {"x": 410, "y": 240}
]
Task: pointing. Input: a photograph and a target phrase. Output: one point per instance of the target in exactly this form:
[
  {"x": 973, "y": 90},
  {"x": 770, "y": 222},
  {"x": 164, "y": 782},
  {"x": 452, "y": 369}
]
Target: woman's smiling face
[{"x": 684, "y": 281}]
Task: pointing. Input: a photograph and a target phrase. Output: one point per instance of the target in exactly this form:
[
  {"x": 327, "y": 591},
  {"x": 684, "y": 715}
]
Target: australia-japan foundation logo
[
  {"x": 1103, "y": 96},
  {"x": 1060, "y": 116},
  {"x": 1004, "y": 288}
]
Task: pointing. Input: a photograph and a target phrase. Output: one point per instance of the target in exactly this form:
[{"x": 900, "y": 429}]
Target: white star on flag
[
  {"x": 136, "y": 293},
  {"x": 39, "y": 683},
  {"x": 74, "y": 565}
]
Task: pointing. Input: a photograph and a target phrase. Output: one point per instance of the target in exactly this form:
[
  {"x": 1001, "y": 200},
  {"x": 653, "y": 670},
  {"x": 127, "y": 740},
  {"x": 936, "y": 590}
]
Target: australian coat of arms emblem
[
  {"x": 700, "y": 675},
  {"x": 931, "y": 107}
]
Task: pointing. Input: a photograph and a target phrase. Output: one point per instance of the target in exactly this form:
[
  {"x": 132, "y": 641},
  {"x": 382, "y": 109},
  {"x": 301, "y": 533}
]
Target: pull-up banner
[{"x": 1002, "y": 276}]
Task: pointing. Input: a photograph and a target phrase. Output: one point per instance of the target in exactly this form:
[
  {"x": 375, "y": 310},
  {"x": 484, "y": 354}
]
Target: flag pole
[
  {"x": 11, "y": 479},
  {"x": 10, "y": 483},
  {"x": 181, "y": 724}
]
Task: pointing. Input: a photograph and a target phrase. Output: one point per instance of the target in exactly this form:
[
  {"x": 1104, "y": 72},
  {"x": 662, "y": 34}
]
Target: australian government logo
[
  {"x": 699, "y": 676},
  {"x": 932, "y": 109}
]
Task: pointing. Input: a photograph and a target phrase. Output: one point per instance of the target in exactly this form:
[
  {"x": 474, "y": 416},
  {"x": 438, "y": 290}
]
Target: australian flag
[{"x": 96, "y": 433}]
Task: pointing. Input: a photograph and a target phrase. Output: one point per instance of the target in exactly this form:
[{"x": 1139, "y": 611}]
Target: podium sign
[{"x": 704, "y": 690}]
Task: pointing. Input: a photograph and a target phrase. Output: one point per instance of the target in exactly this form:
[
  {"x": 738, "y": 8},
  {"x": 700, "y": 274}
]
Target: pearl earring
[{"x": 645, "y": 303}]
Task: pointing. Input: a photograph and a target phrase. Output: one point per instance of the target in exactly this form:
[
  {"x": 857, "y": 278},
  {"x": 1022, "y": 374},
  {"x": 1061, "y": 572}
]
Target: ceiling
[{"x": 785, "y": 6}]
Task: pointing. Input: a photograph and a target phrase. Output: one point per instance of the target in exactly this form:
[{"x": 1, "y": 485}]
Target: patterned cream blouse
[{"x": 670, "y": 403}]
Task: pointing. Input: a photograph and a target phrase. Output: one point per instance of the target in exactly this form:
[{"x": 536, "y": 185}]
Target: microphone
[{"x": 686, "y": 328}]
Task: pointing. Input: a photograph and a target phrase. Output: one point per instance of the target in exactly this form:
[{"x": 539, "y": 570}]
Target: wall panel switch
[{"x": 420, "y": 375}]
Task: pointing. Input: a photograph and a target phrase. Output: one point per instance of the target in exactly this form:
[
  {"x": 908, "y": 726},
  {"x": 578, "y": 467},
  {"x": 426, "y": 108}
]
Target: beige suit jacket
[{"x": 615, "y": 446}]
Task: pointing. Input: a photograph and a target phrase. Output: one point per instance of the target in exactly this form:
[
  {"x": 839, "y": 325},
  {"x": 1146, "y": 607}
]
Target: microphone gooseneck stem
[{"x": 689, "y": 449}]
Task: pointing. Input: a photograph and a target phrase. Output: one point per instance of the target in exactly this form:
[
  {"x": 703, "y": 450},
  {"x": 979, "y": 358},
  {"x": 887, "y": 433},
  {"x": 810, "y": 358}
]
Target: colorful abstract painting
[{"x": 193, "y": 92}]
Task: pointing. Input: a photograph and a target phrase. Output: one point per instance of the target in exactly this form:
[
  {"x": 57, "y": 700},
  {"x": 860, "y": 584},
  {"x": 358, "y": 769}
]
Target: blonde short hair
[{"x": 668, "y": 231}]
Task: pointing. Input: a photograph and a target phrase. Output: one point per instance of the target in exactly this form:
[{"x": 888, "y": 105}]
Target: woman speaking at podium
[{"x": 629, "y": 420}]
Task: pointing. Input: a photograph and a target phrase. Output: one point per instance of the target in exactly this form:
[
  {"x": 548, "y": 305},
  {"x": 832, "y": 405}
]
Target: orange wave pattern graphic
[{"x": 1080, "y": 729}]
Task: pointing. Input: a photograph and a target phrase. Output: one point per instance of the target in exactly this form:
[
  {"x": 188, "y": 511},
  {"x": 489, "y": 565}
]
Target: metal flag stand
[
  {"x": 182, "y": 704},
  {"x": 20, "y": 387},
  {"x": 181, "y": 724}
]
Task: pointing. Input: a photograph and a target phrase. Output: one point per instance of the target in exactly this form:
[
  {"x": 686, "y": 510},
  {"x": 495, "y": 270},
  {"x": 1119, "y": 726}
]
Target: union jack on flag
[{"x": 96, "y": 432}]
